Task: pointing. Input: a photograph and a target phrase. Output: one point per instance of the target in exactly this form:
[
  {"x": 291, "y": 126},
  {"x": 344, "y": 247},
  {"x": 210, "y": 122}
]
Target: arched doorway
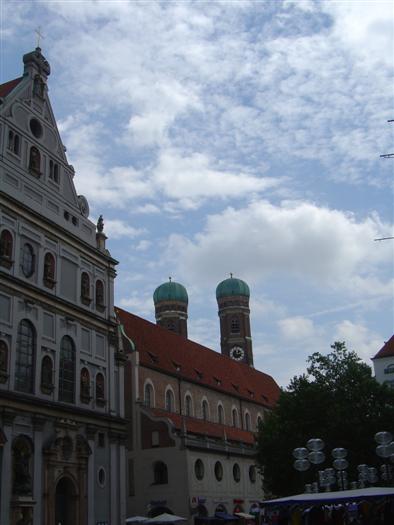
[{"x": 65, "y": 502}]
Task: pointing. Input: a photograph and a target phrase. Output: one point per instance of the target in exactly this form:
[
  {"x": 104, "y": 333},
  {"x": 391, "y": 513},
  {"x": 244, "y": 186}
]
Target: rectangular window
[
  {"x": 86, "y": 341},
  {"x": 5, "y": 308},
  {"x": 100, "y": 346},
  {"x": 68, "y": 280},
  {"x": 48, "y": 326}
]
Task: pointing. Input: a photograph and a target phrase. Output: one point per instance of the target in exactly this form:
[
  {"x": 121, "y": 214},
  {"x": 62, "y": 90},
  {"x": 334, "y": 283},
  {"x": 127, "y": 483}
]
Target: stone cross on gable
[{"x": 39, "y": 35}]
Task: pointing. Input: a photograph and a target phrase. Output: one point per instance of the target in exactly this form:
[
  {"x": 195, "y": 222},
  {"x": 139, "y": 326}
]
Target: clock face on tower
[{"x": 237, "y": 353}]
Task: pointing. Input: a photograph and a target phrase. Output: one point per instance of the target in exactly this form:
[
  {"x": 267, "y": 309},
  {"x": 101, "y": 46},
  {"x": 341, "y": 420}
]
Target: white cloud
[
  {"x": 116, "y": 229},
  {"x": 320, "y": 245},
  {"x": 143, "y": 245},
  {"x": 296, "y": 328},
  {"x": 360, "y": 338}
]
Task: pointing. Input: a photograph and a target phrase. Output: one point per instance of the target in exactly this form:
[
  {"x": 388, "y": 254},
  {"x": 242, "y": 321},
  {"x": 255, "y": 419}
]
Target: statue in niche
[
  {"x": 100, "y": 224},
  {"x": 22, "y": 483},
  {"x": 38, "y": 87}
]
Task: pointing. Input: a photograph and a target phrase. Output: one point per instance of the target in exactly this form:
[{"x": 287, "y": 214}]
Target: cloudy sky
[{"x": 236, "y": 136}]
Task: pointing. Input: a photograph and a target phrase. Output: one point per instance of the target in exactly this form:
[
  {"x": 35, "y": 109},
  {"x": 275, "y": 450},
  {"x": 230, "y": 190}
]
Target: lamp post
[
  {"x": 312, "y": 454},
  {"x": 385, "y": 450}
]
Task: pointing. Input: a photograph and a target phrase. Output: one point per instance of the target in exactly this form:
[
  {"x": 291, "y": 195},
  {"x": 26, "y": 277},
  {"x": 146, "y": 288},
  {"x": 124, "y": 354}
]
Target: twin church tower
[{"x": 171, "y": 301}]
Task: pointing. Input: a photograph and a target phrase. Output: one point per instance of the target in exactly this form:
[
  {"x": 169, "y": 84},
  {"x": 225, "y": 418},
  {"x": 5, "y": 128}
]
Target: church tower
[
  {"x": 233, "y": 302},
  {"x": 171, "y": 302}
]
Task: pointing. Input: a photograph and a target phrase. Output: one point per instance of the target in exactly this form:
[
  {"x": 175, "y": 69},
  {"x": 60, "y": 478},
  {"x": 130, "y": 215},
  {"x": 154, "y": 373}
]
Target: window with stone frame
[
  {"x": 99, "y": 295},
  {"x": 35, "y": 161},
  {"x": 220, "y": 415},
  {"x": 235, "y": 326},
  {"x": 67, "y": 370},
  {"x": 236, "y": 473},
  {"x": 6, "y": 248},
  {"x": 234, "y": 417},
  {"x": 22, "y": 459},
  {"x": 47, "y": 385},
  {"x": 3, "y": 361},
  {"x": 170, "y": 401},
  {"x": 25, "y": 357},
  {"x": 85, "y": 288},
  {"x": 189, "y": 405},
  {"x": 160, "y": 473},
  {"x": 100, "y": 388},
  {"x": 54, "y": 171},
  {"x": 14, "y": 142},
  {"x": 85, "y": 386},
  {"x": 205, "y": 410},
  {"x": 148, "y": 395},
  {"x": 247, "y": 421},
  {"x": 28, "y": 260},
  {"x": 49, "y": 270}
]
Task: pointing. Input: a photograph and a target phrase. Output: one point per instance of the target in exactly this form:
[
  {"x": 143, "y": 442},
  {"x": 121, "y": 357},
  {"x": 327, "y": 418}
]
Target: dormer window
[
  {"x": 54, "y": 171},
  {"x": 85, "y": 288},
  {"x": 35, "y": 162},
  {"x": 13, "y": 142}
]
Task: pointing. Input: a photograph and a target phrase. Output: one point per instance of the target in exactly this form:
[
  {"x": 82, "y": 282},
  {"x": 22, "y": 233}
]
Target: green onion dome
[
  {"x": 170, "y": 291},
  {"x": 232, "y": 286}
]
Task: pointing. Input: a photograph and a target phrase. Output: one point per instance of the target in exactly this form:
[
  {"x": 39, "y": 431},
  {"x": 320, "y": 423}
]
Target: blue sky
[{"x": 242, "y": 137}]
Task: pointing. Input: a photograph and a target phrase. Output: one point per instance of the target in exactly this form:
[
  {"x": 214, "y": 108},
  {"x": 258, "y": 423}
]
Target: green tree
[{"x": 338, "y": 401}]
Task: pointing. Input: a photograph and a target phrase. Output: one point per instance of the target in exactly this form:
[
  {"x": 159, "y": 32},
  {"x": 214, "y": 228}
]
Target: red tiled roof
[
  {"x": 193, "y": 425},
  {"x": 170, "y": 353},
  {"x": 7, "y": 87},
  {"x": 387, "y": 349}
]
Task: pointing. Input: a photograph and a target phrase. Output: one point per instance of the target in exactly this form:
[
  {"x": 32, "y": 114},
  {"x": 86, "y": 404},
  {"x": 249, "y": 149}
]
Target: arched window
[
  {"x": 35, "y": 161},
  {"x": 234, "y": 414},
  {"x": 252, "y": 474},
  {"x": 100, "y": 388},
  {"x": 220, "y": 415},
  {"x": 171, "y": 325},
  {"x": 259, "y": 422},
  {"x": 46, "y": 375},
  {"x": 235, "y": 325},
  {"x": 169, "y": 401},
  {"x": 218, "y": 471},
  {"x": 247, "y": 421},
  {"x": 99, "y": 294},
  {"x": 160, "y": 473},
  {"x": 85, "y": 288},
  {"x": 49, "y": 270},
  {"x": 54, "y": 171},
  {"x": 25, "y": 356},
  {"x": 205, "y": 410},
  {"x": 148, "y": 395},
  {"x": 189, "y": 405},
  {"x": 22, "y": 456},
  {"x": 27, "y": 260},
  {"x": 13, "y": 142},
  {"x": 236, "y": 473},
  {"x": 6, "y": 244},
  {"x": 85, "y": 385},
  {"x": 199, "y": 469},
  {"x": 3, "y": 357},
  {"x": 67, "y": 370}
]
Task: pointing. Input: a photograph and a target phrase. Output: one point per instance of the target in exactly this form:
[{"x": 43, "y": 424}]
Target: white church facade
[{"x": 62, "y": 427}]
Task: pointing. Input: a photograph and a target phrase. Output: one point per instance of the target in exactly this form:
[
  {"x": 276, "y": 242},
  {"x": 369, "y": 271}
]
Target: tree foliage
[{"x": 338, "y": 401}]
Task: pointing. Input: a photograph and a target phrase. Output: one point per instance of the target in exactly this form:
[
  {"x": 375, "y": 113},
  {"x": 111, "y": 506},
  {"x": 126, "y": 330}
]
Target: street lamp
[
  {"x": 340, "y": 464},
  {"x": 385, "y": 450},
  {"x": 310, "y": 455}
]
